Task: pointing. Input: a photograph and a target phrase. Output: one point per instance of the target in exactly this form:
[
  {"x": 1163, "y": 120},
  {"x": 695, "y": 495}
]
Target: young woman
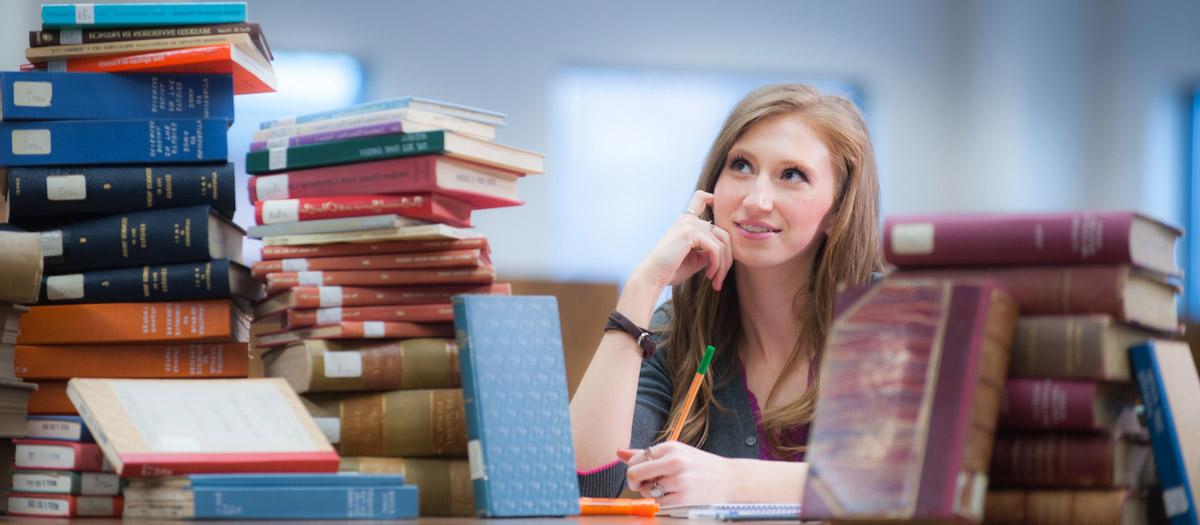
[{"x": 786, "y": 208}]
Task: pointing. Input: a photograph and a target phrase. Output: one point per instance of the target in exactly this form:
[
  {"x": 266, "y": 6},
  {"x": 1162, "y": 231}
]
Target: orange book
[
  {"x": 51, "y": 398},
  {"x": 372, "y": 248},
  {"x": 132, "y": 361},
  {"x": 309, "y": 297},
  {"x": 358, "y": 330},
  {"x": 413, "y": 313},
  {"x": 250, "y": 75},
  {"x": 280, "y": 281},
  {"x": 396, "y": 261},
  {"x": 209, "y": 321}
]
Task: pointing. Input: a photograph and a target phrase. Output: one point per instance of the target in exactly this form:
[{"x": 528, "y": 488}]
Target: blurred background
[{"x": 974, "y": 105}]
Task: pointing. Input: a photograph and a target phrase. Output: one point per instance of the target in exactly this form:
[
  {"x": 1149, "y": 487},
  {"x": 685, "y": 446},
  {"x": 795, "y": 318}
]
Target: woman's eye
[
  {"x": 792, "y": 174},
  {"x": 740, "y": 165}
]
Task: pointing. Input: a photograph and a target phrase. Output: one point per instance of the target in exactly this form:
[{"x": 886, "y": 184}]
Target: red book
[
  {"x": 910, "y": 389},
  {"x": 1117, "y": 237},
  {"x": 131, "y": 361},
  {"x": 1069, "y": 460},
  {"x": 417, "y": 313},
  {"x": 309, "y": 297},
  {"x": 422, "y": 206},
  {"x": 1055, "y": 404},
  {"x": 478, "y": 185},
  {"x": 64, "y": 505},
  {"x": 250, "y": 74},
  {"x": 280, "y": 281},
  {"x": 47, "y": 454},
  {"x": 358, "y": 330},
  {"x": 372, "y": 248},
  {"x": 400, "y": 261}
]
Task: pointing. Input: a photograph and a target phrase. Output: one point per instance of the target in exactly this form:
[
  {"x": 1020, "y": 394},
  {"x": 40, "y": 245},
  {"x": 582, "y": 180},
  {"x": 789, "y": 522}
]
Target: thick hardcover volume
[
  {"x": 37, "y": 55},
  {"x": 38, "y": 95},
  {"x": 437, "y": 106},
  {"x": 398, "y": 423},
  {"x": 67, "y": 428},
  {"x": 113, "y": 141},
  {"x": 67, "y": 482},
  {"x": 514, "y": 394},
  {"x": 913, "y": 374},
  {"x": 337, "y": 133},
  {"x": 169, "y": 235},
  {"x": 131, "y": 361},
  {"x": 217, "y": 279},
  {"x": 336, "y": 296},
  {"x": 445, "y": 482},
  {"x": 58, "y": 37},
  {"x": 1069, "y": 460},
  {"x": 357, "y": 330},
  {"x": 421, "y": 206},
  {"x": 216, "y": 321},
  {"x": 372, "y": 248},
  {"x": 476, "y": 184},
  {"x": 277, "y": 282},
  {"x": 278, "y": 502},
  {"x": 1166, "y": 376},
  {"x": 1090, "y": 347},
  {"x": 46, "y": 454},
  {"x": 1118, "y": 237},
  {"x": 404, "y": 261},
  {"x": 413, "y": 313},
  {"x": 40, "y": 192},
  {"x": 1069, "y": 507},
  {"x": 56, "y": 16},
  {"x": 251, "y": 71},
  {"x": 327, "y": 366},
  {"x": 64, "y": 505},
  {"x": 1054, "y": 404},
  {"x": 393, "y": 146}
]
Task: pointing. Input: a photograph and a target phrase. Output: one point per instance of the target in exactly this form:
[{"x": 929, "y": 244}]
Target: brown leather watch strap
[{"x": 644, "y": 338}]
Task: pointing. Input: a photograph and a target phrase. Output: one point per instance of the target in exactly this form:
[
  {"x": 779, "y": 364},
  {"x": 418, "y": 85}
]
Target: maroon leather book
[
  {"x": 422, "y": 206},
  {"x": 1078, "y": 460},
  {"x": 1086, "y": 237},
  {"x": 911, "y": 380},
  {"x": 1054, "y": 404}
]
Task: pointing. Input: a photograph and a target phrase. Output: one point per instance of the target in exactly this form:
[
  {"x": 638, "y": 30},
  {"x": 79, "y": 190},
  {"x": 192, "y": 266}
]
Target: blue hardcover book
[
  {"x": 1166, "y": 376},
  {"x": 38, "y": 143},
  {"x": 194, "y": 281},
  {"x": 170, "y": 235},
  {"x": 339, "y": 479},
  {"x": 38, "y": 193},
  {"x": 515, "y": 398},
  {"x": 283, "y": 502},
  {"x": 41, "y": 95},
  {"x": 65, "y": 428},
  {"x": 449, "y": 108},
  {"x": 142, "y": 14}
]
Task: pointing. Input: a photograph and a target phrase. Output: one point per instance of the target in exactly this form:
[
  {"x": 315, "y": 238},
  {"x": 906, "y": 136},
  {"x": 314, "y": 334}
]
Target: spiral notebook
[{"x": 734, "y": 511}]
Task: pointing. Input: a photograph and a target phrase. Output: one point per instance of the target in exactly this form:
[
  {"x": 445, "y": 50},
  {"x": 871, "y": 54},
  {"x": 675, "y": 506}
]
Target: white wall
[{"x": 1004, "y": 105}]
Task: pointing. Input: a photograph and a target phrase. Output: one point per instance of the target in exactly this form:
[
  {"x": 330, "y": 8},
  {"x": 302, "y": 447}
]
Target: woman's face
[{"x": 774, "y": 192}]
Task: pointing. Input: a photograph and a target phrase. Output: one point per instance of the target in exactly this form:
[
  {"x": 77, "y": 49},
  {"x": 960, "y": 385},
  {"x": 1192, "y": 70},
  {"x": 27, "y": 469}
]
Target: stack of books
[
  {"x": 20, "y": 279},
  {"x": 60, "y": 470},
  {"x": 185, "y": 37},
  {"x": 364, "y": 214},
  {"x": 1089, "y": 285}
]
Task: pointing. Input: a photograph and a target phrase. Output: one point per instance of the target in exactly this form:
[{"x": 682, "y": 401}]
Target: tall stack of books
[
  {"x": 20, "y": 279},
  {"x": 126, "y": 178},
  {"x": 1090, "y": 285},
  {"x": 364, "y": 214}
]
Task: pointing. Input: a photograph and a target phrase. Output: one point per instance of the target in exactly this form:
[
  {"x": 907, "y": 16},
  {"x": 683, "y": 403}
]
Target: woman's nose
[{"x": 761, "y": 195}]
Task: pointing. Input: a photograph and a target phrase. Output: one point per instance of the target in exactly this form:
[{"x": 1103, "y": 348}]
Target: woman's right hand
[{"x": 690, "y": 245}]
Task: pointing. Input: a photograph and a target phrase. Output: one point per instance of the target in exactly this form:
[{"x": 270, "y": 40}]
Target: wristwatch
[{"x": 644, "y": 338}]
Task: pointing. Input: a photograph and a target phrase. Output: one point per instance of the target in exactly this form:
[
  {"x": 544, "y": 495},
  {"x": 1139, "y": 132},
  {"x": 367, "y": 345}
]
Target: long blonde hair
[{"x": 850, "y": 253}]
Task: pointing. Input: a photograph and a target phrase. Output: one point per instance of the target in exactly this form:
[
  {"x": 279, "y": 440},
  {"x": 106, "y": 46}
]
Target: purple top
[{"x": 798, "y": 434}]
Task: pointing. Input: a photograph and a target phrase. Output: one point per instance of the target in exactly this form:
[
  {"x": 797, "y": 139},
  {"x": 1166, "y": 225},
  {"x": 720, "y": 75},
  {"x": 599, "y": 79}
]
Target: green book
[
  {"x": 67, "y": 482},
  {"x": 382, "y": 147}
]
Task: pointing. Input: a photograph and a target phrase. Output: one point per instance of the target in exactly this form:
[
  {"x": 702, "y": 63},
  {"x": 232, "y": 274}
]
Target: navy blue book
[
  {"x": 217, "y": 279},
  {"x": 51, "y": 142},
  {"x": 65, "y": 428},
  {"x": 142, "y": 14},
  {"x": 42, "y": 95},
  {"x": 170, "y": 235},
  {"x": 282, "y": 502},
  {"x": 515, "y": 399},
  {"x": 38, "y": 193},
  {"x": 1166, "y": 376}
]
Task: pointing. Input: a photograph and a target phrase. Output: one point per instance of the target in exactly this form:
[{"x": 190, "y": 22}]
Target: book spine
[
  {"x": 21, "y": 266},
  {"x": 277, "y": 282},
  {"x": 411, "y": 261},
  {"x": 373, "y": 107},
  {"x": 65, "y": 506},
  {"x": 391, "y": 502},
  {"x": 345, "y": 152},
  {"x": 1054, "y": 460},
  {"x": 65, "y": 52},
  {"x": 479, "y": 485},
  {"x": 1079, "y": 238},
  {"x": 174, "y": 282},
  {"x": 58, "y": 37},
  {"x": 172, "y": 235},
  {"x": 131, "y": 361},
  {"x": 367, "y": 130},
  {"x": 165, "y": 322},
  {"x": 445, "y": 483},
  {"x": 404, "y": 423},
  {"x": 332, "y": 296},
  {"x": 58, "y": 16},
  {"x": 1168, "y": 449},
  {"x": 367, "y": 248},
  {"x": 157, "y": 464},
  {"x": 42, "y": 427},
  {"x": 1044, "y": 404},
  {"x": 1057, "y": 507},
  {"x": 113, "y": 141},
  {"x": 51, "y": 398},
  {"x": 1050, "y": 290},
  {"x": 413, "y": 364},
  {"x": 405, "y": 175},
  {"x": 50, "y": 482},
  {"x": 39, "y": 95},
  {"x": 39, "y": 192},
  {"x": 417, "y": 313},
  {"x": 48, "y": 455},
  {"x": 282, "y": 133},
  {"x": 1062, "y": 346},
  {"x": 426, "y": 207}
]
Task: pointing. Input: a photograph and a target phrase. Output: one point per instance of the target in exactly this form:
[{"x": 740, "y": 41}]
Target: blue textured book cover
[
  {"x": 306, "y": 502},
  {"x": 1166, "y": 376},
  {"x": 37, "y": 143},
  {"x": 65, "y": 428},
  {"x": 42, "y": 192},
  {"x": 41, "y": 95},
  {"x": 142, "y": 14},
  {"x": 194, "y": 281},
  {"x": 515, "y": 398},
  {"x": 340, "y": 479}
]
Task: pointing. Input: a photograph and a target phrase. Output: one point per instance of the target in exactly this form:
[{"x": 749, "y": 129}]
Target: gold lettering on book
[
  {"x": 212, "y": 185},
  {"x": 162, "y": 280},
  {"x": 142, "y": 235},
  {"x": 187, "y": 232},
  {"x": 124, "y": 237},
  {"x": 145, "y": 281},
  {"x": 149, "y": 187},
  {"x": 170, "y": 188}
]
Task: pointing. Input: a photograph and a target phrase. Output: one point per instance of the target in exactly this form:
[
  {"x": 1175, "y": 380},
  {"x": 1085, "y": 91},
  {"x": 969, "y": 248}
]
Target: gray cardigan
[{"x": 732, "y": 432}]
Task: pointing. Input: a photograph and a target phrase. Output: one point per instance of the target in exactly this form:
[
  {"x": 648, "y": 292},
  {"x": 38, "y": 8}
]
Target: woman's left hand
[{"x": 684, "y": 474}]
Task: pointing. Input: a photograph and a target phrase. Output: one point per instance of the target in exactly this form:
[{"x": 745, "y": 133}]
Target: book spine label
[
  {"x": 345, "y": 151},
  {"x": 131, "y": 361},
  {"x": 166, "y": 322},
  {"x": 174, "y": 282},
  {"x": 307, "y": 502},
  {"x": 426, "y": 207},
  {"x": 366, "y": 248},
  {"x": 369, "y": 130},
  {"x": 41, "y": 192},
  {"x": 1169, "y": 460},
  {"x": 1054, "y": 460},
  {"x": 414, "y": 261},
  {"x": 129, "y": 239},
  {"x": 37, "y": 95},
  {"x": 1049, "y": 405},
  {"x": 83, "y": 15},
  {"x": 277, "y": 282},
  {"x": 113, "y": 141}
]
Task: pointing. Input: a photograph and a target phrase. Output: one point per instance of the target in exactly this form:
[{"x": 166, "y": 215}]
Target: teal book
[
  {"x": 1166, "y": 376},
  {"x": 515, "y": 398},
  {"x": 141, "y": 14}
]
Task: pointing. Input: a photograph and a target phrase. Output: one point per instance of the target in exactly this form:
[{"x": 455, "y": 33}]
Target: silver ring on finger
[
  {"x": 657, "y": 491},
  {"x": 689, "y": 211},
  {"x": 648, "y": 453}
]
